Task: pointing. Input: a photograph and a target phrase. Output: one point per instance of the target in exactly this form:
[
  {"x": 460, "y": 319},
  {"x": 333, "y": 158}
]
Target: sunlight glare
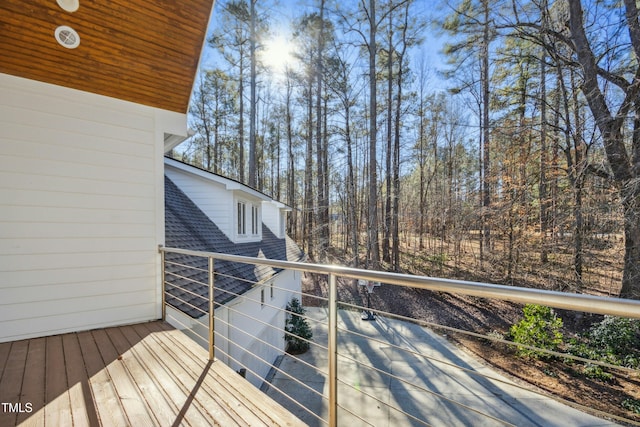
[{"x": 277, "y": 54}]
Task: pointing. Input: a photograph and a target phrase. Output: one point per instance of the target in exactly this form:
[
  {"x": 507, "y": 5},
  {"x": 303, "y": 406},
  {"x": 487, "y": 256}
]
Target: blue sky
[{"x": 284, "y": 11}]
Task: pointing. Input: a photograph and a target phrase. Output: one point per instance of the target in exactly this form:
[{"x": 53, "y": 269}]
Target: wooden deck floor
[{"x": 146, "y": 374}]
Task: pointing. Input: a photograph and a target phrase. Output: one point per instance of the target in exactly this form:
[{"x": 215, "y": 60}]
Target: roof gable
[{"x": 143, "y": 51}]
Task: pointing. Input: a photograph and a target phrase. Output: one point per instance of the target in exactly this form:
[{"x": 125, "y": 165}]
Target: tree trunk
[
  {"x": 252, "y": 103},
  {"x": 241, "y": 174},
  {"x": 625, "y": 174},
  {"x": 291, "y": 187},
  {"x": 486, "y": 150},
  {"x": 631, "y": 274},
  {"x": 321, "y": 222},
  {"x": 352, "y": 214},
  {"x": 388, "y": 212},
  {"x": 544, "y": 202},
  {"x": 308, "y": 176},
  {"x": 373, "y": 247}
]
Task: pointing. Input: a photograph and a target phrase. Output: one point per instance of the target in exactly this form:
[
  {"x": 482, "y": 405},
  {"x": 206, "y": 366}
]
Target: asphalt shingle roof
[{"x": 187, "y": 227}]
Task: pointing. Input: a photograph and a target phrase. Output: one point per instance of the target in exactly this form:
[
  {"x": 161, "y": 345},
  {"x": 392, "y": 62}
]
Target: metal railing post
[
  {"x": 211, "y": 312},
  {"x": 333, "y": 352},
  {"x": 162, "y": 285}
]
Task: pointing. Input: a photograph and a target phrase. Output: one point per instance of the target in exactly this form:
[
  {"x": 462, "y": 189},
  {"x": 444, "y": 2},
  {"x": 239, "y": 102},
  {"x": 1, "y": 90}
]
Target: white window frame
[
  {"x": 255, "y": 220},
  {"x": 241, "y": 218},
  {"x": 248, "y": 220}
]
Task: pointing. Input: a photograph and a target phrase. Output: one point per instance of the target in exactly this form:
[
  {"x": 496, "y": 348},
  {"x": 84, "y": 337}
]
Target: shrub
[
  {"x": 596, "y": 372},
  {"x": 632, "y": 405},
  {"x": 298, "y": 331},
  {"x": 539, "y": 328},
  {"x": 614, "y": 340},
  {"x": 616, "y": 336}
]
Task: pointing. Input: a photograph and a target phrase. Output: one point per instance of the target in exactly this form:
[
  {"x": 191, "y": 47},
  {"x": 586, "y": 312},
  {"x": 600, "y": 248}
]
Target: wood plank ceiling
[{"x": 143, "y": 51}]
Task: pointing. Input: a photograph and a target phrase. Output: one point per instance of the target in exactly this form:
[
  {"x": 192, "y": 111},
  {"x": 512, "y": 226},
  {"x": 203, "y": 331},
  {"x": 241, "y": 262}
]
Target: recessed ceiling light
[
  {"x": 67, "y": 37},
  {"x": 69, "y": 5}
]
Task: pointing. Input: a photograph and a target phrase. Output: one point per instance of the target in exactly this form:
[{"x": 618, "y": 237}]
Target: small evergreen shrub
[
  {"x": 632, "y": 405},
  {"x": 597, "y": 372},
  {"x": 614, "y": 340},
  {"x": 438, "y": 259},
  {"x": 617, "y": 337},
  {"x": 539, "y": 328},
  {"x": 298, "y": 331}
]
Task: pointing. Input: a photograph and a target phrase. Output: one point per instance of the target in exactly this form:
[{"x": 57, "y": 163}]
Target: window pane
[
  {"x": 241, "y": 218},
  {"x": 254, "y": 220}
]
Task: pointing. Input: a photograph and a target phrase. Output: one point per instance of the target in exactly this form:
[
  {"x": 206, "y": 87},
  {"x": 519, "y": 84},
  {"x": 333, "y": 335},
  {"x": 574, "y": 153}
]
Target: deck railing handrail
[{"x": 577, "y": 302}]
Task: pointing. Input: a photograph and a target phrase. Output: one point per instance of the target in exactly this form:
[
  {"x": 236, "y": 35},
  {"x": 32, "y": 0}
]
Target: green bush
[
  {"x": 298, "y": 331},
  {"x": 597, "y": 372},
  {"x": 614, "y": 340},
  {"x": 438, "y": 259},
  {"x": 632, "y": 405},
  {"x": 616, "y": 336},
  {"x": 539, "y": 328}
]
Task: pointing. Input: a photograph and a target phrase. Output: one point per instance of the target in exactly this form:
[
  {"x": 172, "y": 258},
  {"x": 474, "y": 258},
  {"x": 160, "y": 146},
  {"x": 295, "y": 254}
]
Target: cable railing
[{"x": 394, "y": 371}]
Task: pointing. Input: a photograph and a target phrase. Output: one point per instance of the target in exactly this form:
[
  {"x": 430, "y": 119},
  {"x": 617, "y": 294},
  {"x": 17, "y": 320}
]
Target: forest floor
[{"x": 495, "y": 317}]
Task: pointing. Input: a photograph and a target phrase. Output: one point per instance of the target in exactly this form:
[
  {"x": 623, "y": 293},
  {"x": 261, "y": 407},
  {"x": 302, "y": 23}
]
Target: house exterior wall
[
  {"x": 81, "y": 209},
  {"x": 212, "y": 198},
  {"x": 273, "y": 217},
  {"x": 241, "y": 326},
  {"x": 217, "y": 197}
]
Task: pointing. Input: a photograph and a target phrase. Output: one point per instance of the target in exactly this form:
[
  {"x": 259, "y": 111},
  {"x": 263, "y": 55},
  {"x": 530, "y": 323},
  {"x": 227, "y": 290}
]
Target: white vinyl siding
[
  {"x": 273, "y": 216},
  {"x": 80, "y": 210},
  {"x": 218, "y": 198},
  {"x": 210, "y": 197}
]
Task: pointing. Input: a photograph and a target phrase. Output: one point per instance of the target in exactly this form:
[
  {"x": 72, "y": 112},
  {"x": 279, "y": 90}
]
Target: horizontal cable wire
[
  {"x": 262, "y": 341},
  {"x": 240, "y": 279},
  {"x": 478, "y": 374},
  {"x": 256, "y": 357},
  {"x": 381, "y": 402},
  {"x": 264, "y": 282},
  {"x": 355, "y": 415},
  {"x": 270, "y": 326},
  {"x": 426, "y": 390},
  {"x": 204, "y": 313},
  {"x": 187, "y": 291},
  {"x": 193, "y": 334},
  {"x": 189, "y": 279},
  {"x": 265, "y": 323},
  {"x": 227, "y": 355},
  {"x": 495, "y": 339},
  {"x": 190, "y": 267}
]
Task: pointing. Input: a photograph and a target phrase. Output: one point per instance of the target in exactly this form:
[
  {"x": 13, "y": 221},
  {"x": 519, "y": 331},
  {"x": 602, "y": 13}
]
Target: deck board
[
  {"x": 226, "y": 413},
  {"x": 58, "y": 409},
  {"x": 108, "y": 407},
  {"x": 79, "y": 391},
  {"x": 132, "y": 401},
  {"x": 169, "y": 372},
  {"x": 32, "y": 386},
  {"x": 140, "y": 363},
  {"x": 142, "y": 374},
  {"x": 11, "y": 379}
]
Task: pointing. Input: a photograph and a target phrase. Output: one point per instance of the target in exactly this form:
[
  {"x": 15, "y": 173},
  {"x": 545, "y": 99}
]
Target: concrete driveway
[{"x": 435, "y": 393}]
